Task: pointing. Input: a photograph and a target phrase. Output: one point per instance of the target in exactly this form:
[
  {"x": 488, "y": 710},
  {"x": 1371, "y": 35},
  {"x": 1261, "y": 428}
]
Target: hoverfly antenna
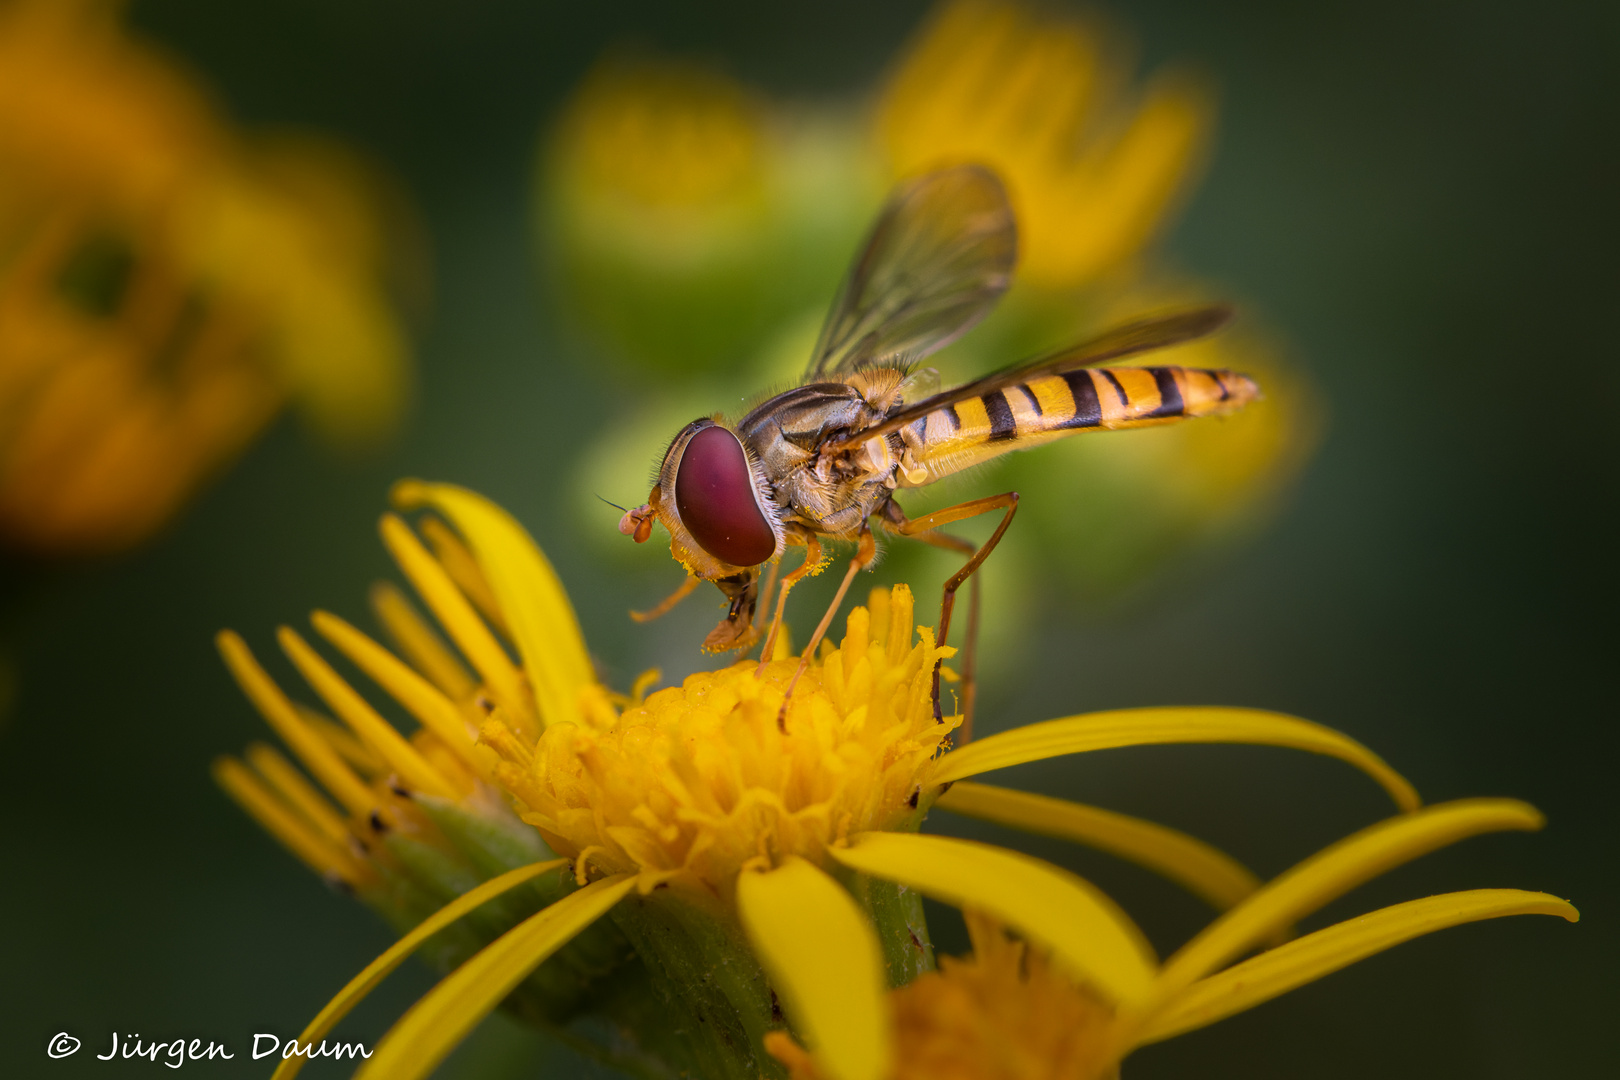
[{"x": 613, "y": 504}]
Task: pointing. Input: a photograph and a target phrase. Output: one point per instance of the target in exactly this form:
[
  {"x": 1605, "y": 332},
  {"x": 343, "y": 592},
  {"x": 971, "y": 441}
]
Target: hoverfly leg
[
  {"x": 863, "y": 558},
  {"x": 970, "y": 650},
  {"x": 812, "y": 560},
  {"x": 736, "y": 630},
  {"x": 925, "y": 524},
  {"x": 666, "y": 605},
  {"x": 765, "y": 596}
]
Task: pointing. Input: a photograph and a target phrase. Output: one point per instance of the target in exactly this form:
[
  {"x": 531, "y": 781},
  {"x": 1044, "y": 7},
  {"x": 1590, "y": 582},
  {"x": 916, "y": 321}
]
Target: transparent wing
[
  {"x": 938, "y": 259},
  {"x": 1143, "y": 335}
]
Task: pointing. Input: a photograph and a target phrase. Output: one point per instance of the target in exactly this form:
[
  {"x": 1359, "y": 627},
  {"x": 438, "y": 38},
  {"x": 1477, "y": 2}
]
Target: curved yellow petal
[
  {"x": 279, "y": 819},
  {"x": 434, "y": 1025},
  {"x": 431, "y": 708},
  {"x": 1334, "y": 871},
  {"x": 374, "y": 973},
  {"x": 1201, "y": 869},
  {"x": 1307, "y": 959},
  {"x": 287, "y": 782},
  {"x": 456, "y": 614},
  {"x": 1143, "y": 727},
  {"x": 282, "y": 715},
  {"x": 417, "y": 641},
  {"x": 1082, "y": 927},
  {"x": 378, "y": 734},
  {"x": 532, "y": 599},
  {"x": 824, "y": 959}
]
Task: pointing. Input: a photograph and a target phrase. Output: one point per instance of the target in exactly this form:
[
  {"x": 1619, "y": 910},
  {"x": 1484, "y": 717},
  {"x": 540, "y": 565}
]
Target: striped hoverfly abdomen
[{"x": 1039, "y": 410}]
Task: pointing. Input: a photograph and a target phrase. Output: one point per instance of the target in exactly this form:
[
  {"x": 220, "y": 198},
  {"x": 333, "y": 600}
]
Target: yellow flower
[
  {"x": 165, "y": 286},
  {"x": 712, "y": 828},
  {"x": 686, "y": 215},
  {"x": 1093, "y": 168},
  {"x": 1016, "y": 1010},
  {"x": 698, "y": 781}
]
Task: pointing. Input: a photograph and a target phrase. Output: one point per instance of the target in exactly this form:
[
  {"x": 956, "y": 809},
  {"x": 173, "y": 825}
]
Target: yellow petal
[
  {"x": 374, "y": 973},
  {"x": 1309, "y": 958},
  {"x": 315, "y": 752},
  {"x": 536, "y": 607},
  {"x": 354, "y": 710},
  {"x": 463, "y": 569},
  {"x": 1334, "y": 871},
  {"x": 1082, "y": 927},
  {"x": 824, "y": 959},
  {"x": 434, "y": 1025},
  {"x": 1201, "y": 869},
  {"x": 431, "y": 708},
  {"x": 263, "y": 805},
  {"x": 455, "y": 613},
  {"x": 283, "y": 776},
  {"x": 1142, "y": 727},
  {"x": 415, "y": 639}
]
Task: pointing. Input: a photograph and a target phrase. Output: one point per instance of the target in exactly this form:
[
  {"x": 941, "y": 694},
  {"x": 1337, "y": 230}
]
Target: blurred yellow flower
[
  {"x": 1093, "y": 166},
  {"x": 165, "y": 285},
  {"x": 685, "y": 215}
]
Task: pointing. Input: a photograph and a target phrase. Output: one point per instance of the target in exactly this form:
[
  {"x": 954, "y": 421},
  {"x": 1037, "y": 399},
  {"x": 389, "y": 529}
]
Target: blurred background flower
[
  {"x": 672, "y": 181},
  {"x": 167, "y": 285}
]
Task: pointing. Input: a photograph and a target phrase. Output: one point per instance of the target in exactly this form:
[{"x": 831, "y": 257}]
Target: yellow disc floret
[{"x": 697, "y": 781}]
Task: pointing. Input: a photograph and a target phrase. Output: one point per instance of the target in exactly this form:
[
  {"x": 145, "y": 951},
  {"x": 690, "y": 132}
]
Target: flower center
[{"x": 699, "y": 780}]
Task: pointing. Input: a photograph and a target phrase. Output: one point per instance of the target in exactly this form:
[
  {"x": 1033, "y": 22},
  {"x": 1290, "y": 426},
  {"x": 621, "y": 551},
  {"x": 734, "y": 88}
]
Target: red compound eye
[{"x": 714, "y": 492}]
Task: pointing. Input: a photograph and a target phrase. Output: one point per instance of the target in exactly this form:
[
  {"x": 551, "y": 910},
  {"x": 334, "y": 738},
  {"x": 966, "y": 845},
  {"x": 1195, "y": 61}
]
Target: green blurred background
[{"x": 1420, "y": 197}]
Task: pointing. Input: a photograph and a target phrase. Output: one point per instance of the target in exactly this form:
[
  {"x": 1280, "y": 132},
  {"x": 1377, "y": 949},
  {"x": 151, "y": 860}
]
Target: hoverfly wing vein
[{"x": 935, "y": 264}]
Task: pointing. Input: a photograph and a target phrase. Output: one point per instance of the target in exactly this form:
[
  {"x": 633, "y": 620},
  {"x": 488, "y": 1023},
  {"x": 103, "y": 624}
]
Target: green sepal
[{"x": 490, "y": 837}]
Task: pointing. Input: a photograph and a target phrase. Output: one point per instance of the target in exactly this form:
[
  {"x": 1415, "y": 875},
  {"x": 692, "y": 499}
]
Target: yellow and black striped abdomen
[{"x": 1051, "y": 406}]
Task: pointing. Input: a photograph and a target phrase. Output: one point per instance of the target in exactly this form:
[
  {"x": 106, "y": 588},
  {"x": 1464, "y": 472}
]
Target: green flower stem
[
  {"x": 897, "y": 915},
  {"x": 717, "y": 1004}
]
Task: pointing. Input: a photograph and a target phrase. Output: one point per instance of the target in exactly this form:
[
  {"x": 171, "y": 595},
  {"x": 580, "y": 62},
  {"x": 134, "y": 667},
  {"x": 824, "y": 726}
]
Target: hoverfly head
[{"x": 710, "y": 490}]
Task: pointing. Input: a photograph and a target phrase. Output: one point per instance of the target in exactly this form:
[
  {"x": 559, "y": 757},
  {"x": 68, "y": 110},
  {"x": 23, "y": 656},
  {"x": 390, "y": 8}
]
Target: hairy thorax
[{"x": 827, "y": 493}]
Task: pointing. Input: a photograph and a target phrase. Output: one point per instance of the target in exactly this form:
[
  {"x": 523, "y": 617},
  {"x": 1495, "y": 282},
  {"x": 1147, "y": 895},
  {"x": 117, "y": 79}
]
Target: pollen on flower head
[{"x": 700, "y": 780}]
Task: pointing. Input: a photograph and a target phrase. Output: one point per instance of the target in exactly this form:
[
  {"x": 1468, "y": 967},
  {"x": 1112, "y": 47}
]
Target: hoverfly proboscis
[{"x": 824, "y": 460}]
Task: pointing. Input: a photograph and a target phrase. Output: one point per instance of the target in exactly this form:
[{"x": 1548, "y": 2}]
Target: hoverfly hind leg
[{"x": 923, "y": 529}]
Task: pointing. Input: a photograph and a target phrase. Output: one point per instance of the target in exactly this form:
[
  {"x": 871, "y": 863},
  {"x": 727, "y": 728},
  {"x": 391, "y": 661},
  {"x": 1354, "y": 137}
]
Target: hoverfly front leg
[
  {"x": 924, "y": 525},
  {"x": 736, "y": 630},
  {"x": 667, "y": 604},
  {"x": 812, "y": 562},
  {"x": 864, "y": 555}
]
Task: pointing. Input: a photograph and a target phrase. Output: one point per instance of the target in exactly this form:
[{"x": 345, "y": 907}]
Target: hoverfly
[{"x": 825, "y": 460}]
